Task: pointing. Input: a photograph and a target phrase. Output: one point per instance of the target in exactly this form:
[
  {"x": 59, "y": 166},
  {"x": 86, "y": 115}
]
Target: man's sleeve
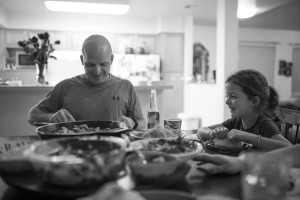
[{"x": 52, "y": 101}]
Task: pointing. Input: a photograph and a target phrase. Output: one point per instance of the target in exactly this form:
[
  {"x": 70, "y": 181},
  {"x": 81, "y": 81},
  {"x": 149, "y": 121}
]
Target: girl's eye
[{"x": 231, "y": 96}]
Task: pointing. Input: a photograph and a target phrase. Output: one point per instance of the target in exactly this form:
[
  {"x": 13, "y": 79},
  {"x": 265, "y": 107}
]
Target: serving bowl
[
  {"x": 78, "y": 161},
  {"x": 182, "y": 149},
  {"x": 12, "y": 159},
  {"x": 81, "y": 128},
  {"x": 150, "y": 165}
]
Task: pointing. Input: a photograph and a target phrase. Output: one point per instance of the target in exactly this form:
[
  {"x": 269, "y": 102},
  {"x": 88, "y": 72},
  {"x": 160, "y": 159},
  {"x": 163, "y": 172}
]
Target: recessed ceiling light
[
  {"x": 83, "y": 7},
  {"x": 246, "y": 9}
]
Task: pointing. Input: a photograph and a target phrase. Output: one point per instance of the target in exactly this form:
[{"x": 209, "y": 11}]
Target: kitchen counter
[{"x": 15, "y": 102}]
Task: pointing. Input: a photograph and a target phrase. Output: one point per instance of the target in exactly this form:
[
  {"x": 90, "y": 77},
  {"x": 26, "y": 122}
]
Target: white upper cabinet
[{"x": 14, "y": 36}]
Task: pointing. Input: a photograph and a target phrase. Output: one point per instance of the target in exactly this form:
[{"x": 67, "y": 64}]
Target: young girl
[{"x": 249, "y": 98}]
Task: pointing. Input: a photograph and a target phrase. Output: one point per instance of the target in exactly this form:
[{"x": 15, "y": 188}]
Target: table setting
[{"x": 89, "y": 163}]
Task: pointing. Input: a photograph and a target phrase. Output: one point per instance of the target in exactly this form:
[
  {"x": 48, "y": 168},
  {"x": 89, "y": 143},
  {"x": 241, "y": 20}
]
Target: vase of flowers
[{"x": 40, "y": 49}]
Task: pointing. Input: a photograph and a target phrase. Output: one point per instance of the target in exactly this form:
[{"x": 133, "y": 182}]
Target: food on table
[
  {"x": 226, "y": 143},
  {"x": 80, "y": 161},
  {"x": 157, "y": 132},
  {"x": 83, "y": 128},
  {"x": 170, "y": 146},
  {"x": 182, "y": 149}
]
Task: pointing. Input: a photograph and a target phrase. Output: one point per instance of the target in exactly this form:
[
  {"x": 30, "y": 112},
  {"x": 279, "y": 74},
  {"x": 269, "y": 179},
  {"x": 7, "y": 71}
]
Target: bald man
[{"x": 95, "y": 95}]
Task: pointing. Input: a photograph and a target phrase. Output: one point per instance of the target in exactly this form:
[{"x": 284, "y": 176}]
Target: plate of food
[
  {"x": 181, "y": 148},
  {"x": 225, "y": 146},
  {"x": 157, "y": 132},
  {"x": 81, "y": 128}
]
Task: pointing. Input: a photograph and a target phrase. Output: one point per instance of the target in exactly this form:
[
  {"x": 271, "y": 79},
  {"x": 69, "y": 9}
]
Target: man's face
[{"x": 97, "y": 66}]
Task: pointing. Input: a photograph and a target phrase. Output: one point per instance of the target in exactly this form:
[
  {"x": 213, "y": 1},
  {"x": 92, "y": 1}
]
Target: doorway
[{"x": 258, "y": 57}]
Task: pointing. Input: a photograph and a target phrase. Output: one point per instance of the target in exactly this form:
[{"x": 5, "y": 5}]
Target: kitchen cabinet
[
  {"x": 170, "y": 47},
  {"x": 2, "y": 49},
  {"x": 77, "y": 40},
  {"x": 14, "y": 36},
  {"x": 65, "y": 39}
]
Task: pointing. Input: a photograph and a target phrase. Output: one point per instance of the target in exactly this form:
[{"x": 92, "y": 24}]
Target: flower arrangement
[{"x": 41, "y": 50}]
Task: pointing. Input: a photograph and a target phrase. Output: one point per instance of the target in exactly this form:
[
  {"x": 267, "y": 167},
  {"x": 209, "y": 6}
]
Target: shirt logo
[{"x": 116, "y": 98}]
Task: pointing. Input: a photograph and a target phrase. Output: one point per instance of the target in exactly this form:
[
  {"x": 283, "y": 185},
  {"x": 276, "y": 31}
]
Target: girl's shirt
[{"x": 264, "y": 126}]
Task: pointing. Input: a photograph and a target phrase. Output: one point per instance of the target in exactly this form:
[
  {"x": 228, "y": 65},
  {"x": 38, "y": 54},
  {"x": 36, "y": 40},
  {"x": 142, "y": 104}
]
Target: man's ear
[
  {"x": 112, "y": 58},
  {"x": 81, "y": 58}
]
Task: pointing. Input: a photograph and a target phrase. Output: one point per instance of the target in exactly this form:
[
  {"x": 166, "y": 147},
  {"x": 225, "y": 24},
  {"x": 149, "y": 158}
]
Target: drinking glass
[
  {"x": 265, "y": 177},
  {"x": 173, "y": 124}
]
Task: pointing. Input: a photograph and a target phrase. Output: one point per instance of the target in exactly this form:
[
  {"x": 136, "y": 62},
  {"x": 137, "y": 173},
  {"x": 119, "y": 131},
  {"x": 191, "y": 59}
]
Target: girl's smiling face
[{"x": 238, "y": 102}]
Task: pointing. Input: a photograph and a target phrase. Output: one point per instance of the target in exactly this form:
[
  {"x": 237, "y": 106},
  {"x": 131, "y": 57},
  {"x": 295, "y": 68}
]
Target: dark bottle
[{"x": 153, "y": 113}]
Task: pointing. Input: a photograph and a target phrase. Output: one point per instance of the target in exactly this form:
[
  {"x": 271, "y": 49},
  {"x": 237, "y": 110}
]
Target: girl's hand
[
  {"x": 219, "y": 133},
  {"x": 237, "y": 136}
]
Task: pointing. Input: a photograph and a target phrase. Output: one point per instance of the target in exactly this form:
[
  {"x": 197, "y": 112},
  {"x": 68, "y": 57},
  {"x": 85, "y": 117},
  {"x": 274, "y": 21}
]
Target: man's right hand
[{"x": 61, "y": 116}]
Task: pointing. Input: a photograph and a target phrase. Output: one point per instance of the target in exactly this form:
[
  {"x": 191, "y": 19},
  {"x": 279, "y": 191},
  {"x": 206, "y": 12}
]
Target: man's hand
[
  {"x": 128, "y": 121},
  {"x": 219, "y": 163},
  {"x": 219, "y": 133},
  {"x": 61, "y": 116}
]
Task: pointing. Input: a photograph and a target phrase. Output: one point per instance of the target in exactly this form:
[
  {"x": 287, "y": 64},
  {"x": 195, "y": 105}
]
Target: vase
[{"x": 41, "y": 70}]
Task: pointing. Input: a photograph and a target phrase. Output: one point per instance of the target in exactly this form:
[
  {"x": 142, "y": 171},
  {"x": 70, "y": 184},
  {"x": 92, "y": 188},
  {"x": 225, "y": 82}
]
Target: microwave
[{"x": 24, "y": 61}]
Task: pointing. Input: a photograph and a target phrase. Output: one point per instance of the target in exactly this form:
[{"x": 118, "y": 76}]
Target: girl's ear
[{"x": 256, "y": 101}]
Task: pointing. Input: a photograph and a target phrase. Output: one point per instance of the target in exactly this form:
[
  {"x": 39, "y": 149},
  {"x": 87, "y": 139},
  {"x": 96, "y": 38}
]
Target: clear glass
[
  {"x": 265, "y": 177},
  {"x": 41, "y": 74}
]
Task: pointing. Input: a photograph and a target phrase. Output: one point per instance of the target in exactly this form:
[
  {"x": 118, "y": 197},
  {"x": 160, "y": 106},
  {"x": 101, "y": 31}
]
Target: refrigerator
[{"x": 137, "y": 68}]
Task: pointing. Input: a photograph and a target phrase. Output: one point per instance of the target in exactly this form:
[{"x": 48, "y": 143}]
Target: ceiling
[{"x": 272, "y": 14}]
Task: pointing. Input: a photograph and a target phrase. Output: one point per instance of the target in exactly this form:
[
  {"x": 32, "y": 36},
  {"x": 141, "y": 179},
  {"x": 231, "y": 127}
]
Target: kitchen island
[{"x": 15, "y": 102}]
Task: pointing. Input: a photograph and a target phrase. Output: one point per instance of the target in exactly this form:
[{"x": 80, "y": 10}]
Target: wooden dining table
[{"x": 196, "y": 182}]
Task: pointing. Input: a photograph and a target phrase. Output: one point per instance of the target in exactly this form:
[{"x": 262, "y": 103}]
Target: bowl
[
  {"x": 78, "y": 161},
  {"x": 150, "y": 165},
  {"x": 14, "y": 162},
  {"x": 182, "y": 149},
  {"x": 226, "y": 147},
  {"x": 12, "y": 159}
]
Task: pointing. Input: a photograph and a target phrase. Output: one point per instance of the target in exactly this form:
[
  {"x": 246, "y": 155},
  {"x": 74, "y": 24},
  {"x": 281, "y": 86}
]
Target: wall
[
  {"x": 284, "y": 41},
  {"x": 3, "y": 17},
  {"x": 196, "y": 93}
]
